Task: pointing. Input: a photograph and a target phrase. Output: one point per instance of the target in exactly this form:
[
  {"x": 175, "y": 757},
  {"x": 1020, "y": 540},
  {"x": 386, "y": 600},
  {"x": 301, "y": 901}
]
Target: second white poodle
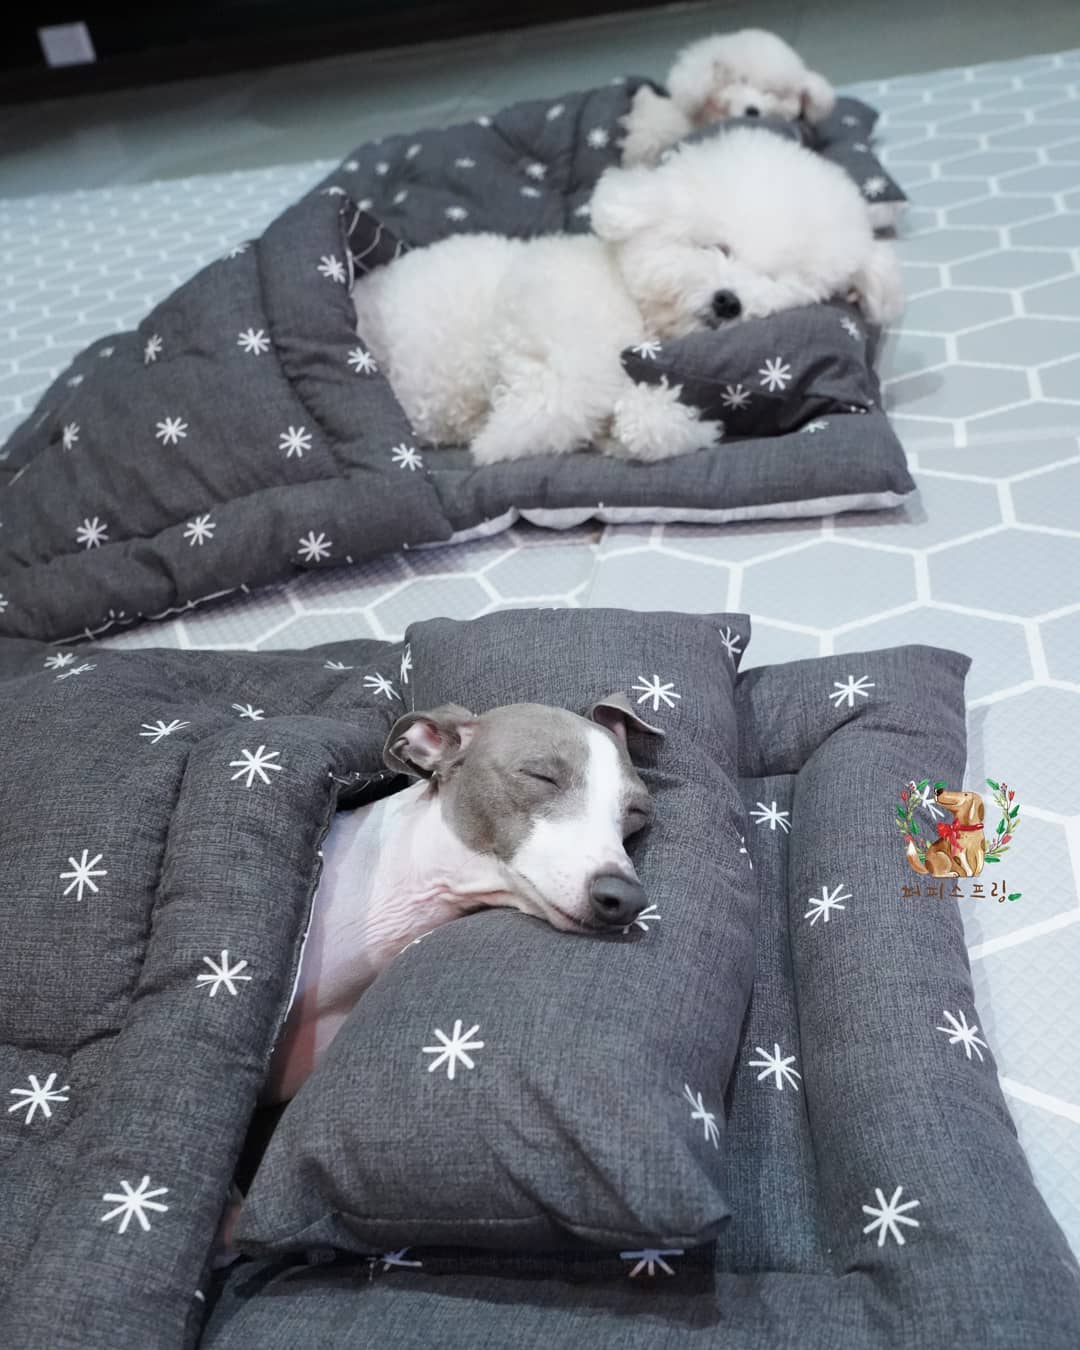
[
  {"x": 513, "y": 346},
  {"x": 750, "y": 73}
]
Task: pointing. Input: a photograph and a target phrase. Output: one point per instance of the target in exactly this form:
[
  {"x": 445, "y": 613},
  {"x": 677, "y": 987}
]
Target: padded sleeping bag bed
[
  {"x": 766, "y": 1114},
  {"x": 244, "y": 432}
]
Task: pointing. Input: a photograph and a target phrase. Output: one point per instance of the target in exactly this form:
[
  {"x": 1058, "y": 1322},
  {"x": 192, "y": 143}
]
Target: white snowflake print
[
  {"x": 135, "y": 1202},
  {"x": 649, "y": 350},
  {"x": 851, "y": 328},
  {"x": 38, "y": 1097},
  {"x": 406, "y": 663},
  {"x": 465, "y": 162},
  {"x": 152, "y": 350},
  {"x": 732, "y": 643},
  {"x": 960, "y": 1033},
  {"x": 199, "y": 530},
  {"x": 365, "y": 203},
  {"x": 874, "y": 187},
  {"x": 157, "y": 731},
  {"x": 379, "y": 684},
  {"x": 656, "y": 690},
  {"x": 849, "y": 121},
  {"x": 395, "y": 1260},
  {"x": 314, "y": 547},
  {"x": 536, "y": 171},
  {"x": 249, "y": 711},
  {"x": 650, "y": 1259},
  {"x": 556, "y": 110},
  {"x": 75, "y": 381},
  {"x": 81, "y": 877},
  {"x": 860, "y": 147},
  {"x": 888, "y": 1215},
  {"x": 413, "y": 150},
  {"x": 584, "y": 210},
  {"x": 775, "y": 374},
  {"x": 812, "y": 428},
  {"x": 407, "y": 457},
  {"x": 106, "y": 352},
  {"x": 529, "y": 191},
  {"x": 707, "y": 1118},
  {"x": 382, "y": 168},
  {"x": 254, "y": 341},
  {"x": 822, "y": 906},
  {"x": 845, "y": 693},
  {"x": 3, "y": 603},
  {"x": 351, "y": 165},
  {"x": 769, "y": 815},
  {"x": 59, "y": 660},
  {"x": 745, "y": 852},
  {"x": 337, "y": 665},
  {"x": 399, "y": 197},
  {"x": 455, "y": 213},
  {"x": 171, "y": 430},
  {"x": 453, "y": 1048},
  {"x": 252, "y": 765},
  {"x": 483, "y": 120},
  {"x": 650, "y": 914},
  {"x": 332, "y": 191},
  {"x": 77, "y": 670},
  {"x": 362, "y": 361},
  {"x": 924, "y": 797},
  {"x": 597, "y": 138},
  {"x": 236, "y": 250},
  {"x": 294, "y": 442},
  {"x": 69, "y": 435},
  {"x": 735, "y": 396},
  {"x": 221, "y": 974},
  {"x": 777, "y": 1066},
  {"x": 332, "y": 268},
  {"x": 92, "y": 533}
]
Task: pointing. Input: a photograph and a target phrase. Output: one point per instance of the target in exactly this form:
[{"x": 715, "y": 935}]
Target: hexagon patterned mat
[{"x": 983, "y": 379}]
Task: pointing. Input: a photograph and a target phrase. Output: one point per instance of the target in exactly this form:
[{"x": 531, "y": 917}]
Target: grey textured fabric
[
  {"x": 879, "y": 1195},
  {"x": 583, "y": 1112},
  {"x": 243, "y": 433}
]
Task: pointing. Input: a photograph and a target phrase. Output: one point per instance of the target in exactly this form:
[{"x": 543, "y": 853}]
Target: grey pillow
[
  {"x": 767, "y": 377},
  {"x": 582, "y": 1112}
]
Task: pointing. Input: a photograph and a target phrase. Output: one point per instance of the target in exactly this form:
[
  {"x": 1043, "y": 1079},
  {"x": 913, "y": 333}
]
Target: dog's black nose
[
  {"x": 616, "y": 900},
  {"x": 751, "y": 112},
  {"x": 726, "y": 305}
]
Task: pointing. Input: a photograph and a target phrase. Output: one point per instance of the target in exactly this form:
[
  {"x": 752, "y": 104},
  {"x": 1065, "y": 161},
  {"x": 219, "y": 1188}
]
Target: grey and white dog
[{"x": 525, "y": 807}]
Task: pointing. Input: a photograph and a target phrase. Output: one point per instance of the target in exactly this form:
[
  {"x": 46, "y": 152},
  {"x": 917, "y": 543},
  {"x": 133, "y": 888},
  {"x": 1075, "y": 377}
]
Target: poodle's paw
[
  {"x": 653, "y": 124},
  {"x": 651, "y": 424},
  {"x": 880, "y": 284}
]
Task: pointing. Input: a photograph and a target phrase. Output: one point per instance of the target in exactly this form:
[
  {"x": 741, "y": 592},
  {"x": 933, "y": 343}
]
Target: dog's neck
[{"x": 391, "y": 872}]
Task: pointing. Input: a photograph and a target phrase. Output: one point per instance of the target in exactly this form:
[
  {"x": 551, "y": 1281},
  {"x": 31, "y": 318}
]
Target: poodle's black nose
[
  {"x": 751, "y": 112},
  {"x": 726, "y": 305}
]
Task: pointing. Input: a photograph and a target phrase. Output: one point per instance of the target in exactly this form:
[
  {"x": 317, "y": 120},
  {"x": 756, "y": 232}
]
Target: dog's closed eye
[{"x": 725, "y": 249}]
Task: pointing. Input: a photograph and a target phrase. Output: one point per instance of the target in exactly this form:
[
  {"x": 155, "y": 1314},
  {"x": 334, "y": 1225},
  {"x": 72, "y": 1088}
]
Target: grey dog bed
[
  {"x": 163, "y": 812},
  {"x": 243, "y": 434}
]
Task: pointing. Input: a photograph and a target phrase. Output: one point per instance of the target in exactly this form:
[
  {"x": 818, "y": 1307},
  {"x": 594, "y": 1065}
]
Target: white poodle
[
  {"x": 512, "y": 346},
  {"x": 751, "y": 73}
]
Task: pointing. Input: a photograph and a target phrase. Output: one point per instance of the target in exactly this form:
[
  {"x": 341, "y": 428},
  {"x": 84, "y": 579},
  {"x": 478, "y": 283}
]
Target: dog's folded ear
[
  {"x": 817, "y": 97},
  {"x": 428, "y": 743},
  {"x": 624, "y": 202},
  {"x": 618, "y": 715}
]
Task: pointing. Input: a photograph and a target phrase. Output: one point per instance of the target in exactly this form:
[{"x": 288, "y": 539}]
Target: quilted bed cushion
[
  {"x": 243, "y": 434},
  {"x": 590, "y": 1048}
]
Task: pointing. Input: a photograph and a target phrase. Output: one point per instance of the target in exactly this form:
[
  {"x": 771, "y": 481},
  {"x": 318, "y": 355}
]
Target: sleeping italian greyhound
[{"x": 525, "y": 807}]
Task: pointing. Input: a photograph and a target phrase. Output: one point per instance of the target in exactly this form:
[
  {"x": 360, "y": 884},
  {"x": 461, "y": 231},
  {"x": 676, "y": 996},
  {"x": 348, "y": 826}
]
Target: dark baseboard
[{"x": 252, "y": 38}]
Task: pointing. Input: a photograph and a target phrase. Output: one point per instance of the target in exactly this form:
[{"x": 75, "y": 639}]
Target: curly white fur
[
  {"x": 751, "y": 73},
  {"x": 513, "y": 346}
]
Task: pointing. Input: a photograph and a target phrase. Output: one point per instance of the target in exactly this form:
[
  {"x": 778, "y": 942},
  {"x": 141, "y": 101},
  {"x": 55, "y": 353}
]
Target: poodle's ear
[
  {"x": 816, "y": 97},
  {"x": 624, "y": 202},
  {"x": 880, "y": 284},
  {"x": 700, "y": 74}
]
